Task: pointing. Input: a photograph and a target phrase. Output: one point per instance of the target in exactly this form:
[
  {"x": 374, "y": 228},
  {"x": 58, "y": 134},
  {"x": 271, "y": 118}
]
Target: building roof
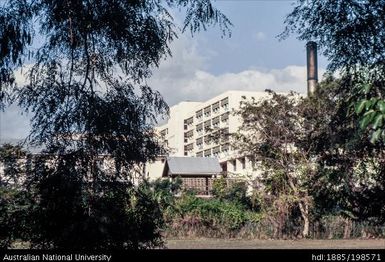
[{"x": 192, "y": 166}]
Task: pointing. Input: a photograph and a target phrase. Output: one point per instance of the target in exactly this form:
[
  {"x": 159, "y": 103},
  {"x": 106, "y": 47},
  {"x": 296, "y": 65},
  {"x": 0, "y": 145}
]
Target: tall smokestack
[{"x": 312, "y": 67}]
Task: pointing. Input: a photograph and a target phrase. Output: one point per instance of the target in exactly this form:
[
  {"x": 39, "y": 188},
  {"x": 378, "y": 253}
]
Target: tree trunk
[
  {"x": 348, "y": 228},
  {"x": 304, "y": 208}
]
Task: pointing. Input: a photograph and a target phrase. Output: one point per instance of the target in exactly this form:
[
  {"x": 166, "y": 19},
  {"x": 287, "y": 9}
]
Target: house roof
[{"x": 192, "y": 166}]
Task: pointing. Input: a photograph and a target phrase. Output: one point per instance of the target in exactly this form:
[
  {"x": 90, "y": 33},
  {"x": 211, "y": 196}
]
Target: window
[
  {"x": 225, "y": 148},
  {"x": 199, "y": 143},
  {"x": 225, "y": 135},
  {"x": 225, "y": 117},
  {"x": 216, "y": 137},
  {"x": 216, "y": 122},
  {"x": 189, "y": 147},
  {"x": 199, "y": 114},
  {"x": 243, "y": 163},
  {"x": 188, "y": 135},
  {"x": 216, "y": 151},
  {"x": 207, "y": 111},
  {"x": 208, "y": 153},
  {"x": 225, "y": 103},
  {"x": 189, "y": 121},
  {"x": 234, "y": 163},
  {"x": 199, "y": 128},
  {"x": 207, "y": 125},
  {"x": 207, "y": 140},
  {"x": 224, "y": 166},
  {"x": 215, "y": 108}
]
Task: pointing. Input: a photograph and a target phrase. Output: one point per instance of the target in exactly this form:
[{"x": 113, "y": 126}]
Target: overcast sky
[{"x": 206, "y": 65}]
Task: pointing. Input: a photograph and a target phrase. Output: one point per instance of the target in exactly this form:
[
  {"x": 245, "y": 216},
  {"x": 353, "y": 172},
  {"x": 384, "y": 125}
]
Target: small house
[{"x": 196, "y": 173}]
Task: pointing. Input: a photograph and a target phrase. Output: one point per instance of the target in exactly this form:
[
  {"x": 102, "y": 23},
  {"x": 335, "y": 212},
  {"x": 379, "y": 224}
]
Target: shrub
[
  {"x": 72, "y": 214},
  {"x": 235, "y": 192},
  {"x": 210, "y": 217},
  {"x": 13, "y": 216}
]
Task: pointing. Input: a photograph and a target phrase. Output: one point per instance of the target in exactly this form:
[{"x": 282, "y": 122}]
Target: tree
[
  {"x": 349, "y": 179},
  {"x": 352, "y": 36},
  {"x": 270, "y": 135},
  {"x": 313, "y": 157},
  {"x": 13, "y": 164},
  {"x": 87, "y": 63},
  {"x": 14, "y": 200}
]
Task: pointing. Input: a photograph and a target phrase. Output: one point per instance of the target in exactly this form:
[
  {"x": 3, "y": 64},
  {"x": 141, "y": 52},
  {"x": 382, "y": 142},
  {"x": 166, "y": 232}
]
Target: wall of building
[
  {"x": 172, "y": 131},
  {"x": 199, "y": 128},
  {"x": 154, "y": 169}
]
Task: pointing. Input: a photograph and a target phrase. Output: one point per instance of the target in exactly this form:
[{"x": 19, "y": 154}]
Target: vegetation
[
  {"x": 348, "y": 112},
  {"x": 315, "y": 160},
  {"x": 215, "y": 217},
  {"x": 269, "y": 217},
  {"x": 271, "y": 132},
  {"x": 153, "y": 211},
  {"x": 86, "y": 65},
  {"x": 322, "y": 158},
  {"x": 351, "y": 35}
]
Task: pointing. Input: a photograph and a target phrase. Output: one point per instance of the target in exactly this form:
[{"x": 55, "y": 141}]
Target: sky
[{"x": 205, "y": 65}]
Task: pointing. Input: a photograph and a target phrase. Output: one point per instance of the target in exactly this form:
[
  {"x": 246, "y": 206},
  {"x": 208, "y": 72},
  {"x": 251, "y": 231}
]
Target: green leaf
[
  {"x": 369, "y": 103},
  {"x": 375, "y": 136},
  {"x": 367, "y": 119},
  {"x": 378, "y": 121},
  {"x": 381, "y": 105},
  {"x": 360, "y": 106},
  {"x": 369, "y": 112}
]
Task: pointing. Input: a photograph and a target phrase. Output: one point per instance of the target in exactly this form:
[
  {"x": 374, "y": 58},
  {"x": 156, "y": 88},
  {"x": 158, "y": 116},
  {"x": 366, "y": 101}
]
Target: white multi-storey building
[{"x": 198, "y": 129}]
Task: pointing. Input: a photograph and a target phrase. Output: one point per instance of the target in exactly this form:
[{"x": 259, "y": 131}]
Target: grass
[{"x": 209, "y": 243}]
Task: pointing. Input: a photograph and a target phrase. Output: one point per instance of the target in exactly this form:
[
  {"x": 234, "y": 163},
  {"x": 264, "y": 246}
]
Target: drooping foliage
[{"x": 85, "y": 65}]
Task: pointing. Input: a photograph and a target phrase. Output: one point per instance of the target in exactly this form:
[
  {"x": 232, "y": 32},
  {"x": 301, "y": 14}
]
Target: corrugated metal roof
[{"x": 193, "y": 165}]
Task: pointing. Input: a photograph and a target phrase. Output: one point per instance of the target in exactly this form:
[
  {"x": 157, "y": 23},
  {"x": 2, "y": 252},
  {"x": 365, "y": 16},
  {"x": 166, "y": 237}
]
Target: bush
[
  {"x": 209, "y": 217},
  {"x": 14, "y": 205},
  {"x": 166, "y": 186},
  {"x": 235, "y": 192},
  {"x": 70, "y": 213}
]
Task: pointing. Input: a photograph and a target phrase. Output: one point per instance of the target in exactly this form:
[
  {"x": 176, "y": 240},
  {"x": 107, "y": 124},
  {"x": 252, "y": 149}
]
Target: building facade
[{"x": 200, "y": 129}]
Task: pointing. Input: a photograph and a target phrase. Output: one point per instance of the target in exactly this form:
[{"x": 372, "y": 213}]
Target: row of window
[
  {"x": 216, "y": 137},
  {"x": 207, "y": 126},
  {"x": 214, "y": 108},
  {"x": 242, "y": 164},
  {"x": 215, "y": 151},
  {"x": 212, "y": 123}
]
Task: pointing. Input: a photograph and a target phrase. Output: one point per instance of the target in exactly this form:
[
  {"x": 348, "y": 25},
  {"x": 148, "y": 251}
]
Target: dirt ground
[{"x": 205, "y": 243}]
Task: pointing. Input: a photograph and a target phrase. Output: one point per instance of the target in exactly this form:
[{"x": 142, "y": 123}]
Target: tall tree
[
  {"x": 352, "y": 36},
  {"x": 87, "y": 62},
  {"x": 312, "y": 157},
  {"x": 270, "y": 135},
  {"x": 349, "y": 180}
]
